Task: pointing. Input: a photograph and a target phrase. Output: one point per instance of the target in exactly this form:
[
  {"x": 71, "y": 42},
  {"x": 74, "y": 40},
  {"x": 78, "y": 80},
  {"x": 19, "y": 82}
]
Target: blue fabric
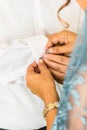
[{"x": 72, "y": 106}]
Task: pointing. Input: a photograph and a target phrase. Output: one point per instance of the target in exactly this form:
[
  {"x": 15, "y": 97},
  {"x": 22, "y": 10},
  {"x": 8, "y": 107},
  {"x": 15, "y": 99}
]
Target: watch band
[{"x": 50, "y": 107}]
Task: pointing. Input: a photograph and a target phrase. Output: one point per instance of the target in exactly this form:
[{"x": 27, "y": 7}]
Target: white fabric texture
[
  {"x": 37, "y": 45},
  {"x": 19, "y": 108},
  {"x": 19, "y": 20}
]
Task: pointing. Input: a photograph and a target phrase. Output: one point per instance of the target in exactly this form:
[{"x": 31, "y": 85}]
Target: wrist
[
  {"x": 50, "y": 107},
  {"x": 50, "y": 97}
]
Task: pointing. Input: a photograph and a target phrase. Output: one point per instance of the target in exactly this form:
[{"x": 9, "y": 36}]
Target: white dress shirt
[{"x": 19, "y": 21}]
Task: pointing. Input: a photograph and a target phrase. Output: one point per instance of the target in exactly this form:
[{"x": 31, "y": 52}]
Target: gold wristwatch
[{"x": 50, "y": 107}]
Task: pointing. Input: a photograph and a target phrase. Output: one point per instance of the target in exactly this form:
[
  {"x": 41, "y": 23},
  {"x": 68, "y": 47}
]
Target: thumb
[
  {"x": 53, "y": 40},
  {"x": 31, "y": 68},
  {"x": 42, "y": 66}
]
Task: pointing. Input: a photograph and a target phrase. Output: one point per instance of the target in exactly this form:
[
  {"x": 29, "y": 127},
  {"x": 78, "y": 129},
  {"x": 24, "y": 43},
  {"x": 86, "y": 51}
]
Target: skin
[
  {"x": 46, "y": 88},
  {"x": 57, "y": 63},
  {"x": 41, "y": 76},
  {"x": 82, "y": 3},
  {"x": 64, "y": 36}
]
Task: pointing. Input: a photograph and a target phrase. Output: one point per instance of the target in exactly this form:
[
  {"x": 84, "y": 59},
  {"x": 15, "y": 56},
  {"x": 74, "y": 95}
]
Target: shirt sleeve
[{"x": 16, "y": 55}]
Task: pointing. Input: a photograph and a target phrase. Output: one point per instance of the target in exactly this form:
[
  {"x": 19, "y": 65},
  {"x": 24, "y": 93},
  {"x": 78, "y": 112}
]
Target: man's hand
[
  {"x": 59, "y": 43},
  {"x": 57, "y": 65},
  {"x": 41, "y": 82}
]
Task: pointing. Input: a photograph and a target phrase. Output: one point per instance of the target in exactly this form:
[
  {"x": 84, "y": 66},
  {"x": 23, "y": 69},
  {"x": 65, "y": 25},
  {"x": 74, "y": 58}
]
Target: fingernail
[
  {"x": 50, "y": 50},
  {"x": 40, "y": 60},
  {"x": 47, "y": 51},
  {"x": 45, "y": 56}
]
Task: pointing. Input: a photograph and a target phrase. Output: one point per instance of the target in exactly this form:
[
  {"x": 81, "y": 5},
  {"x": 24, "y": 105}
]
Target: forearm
[
  {"x": 51, "y": 117},
  {"x": 52, "y": 99}
]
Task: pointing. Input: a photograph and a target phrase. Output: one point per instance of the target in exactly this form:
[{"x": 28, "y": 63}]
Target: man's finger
[
  {"x": 53, "y": 40},
  {"x": 42, "y": 66},
  {"x": 58, "y": 76},
  {"x": 48, "y": 45},
  {"x": 55, "y": 66},
  {"x": 67, "y": 48},
  {"x": 57, "y": 58},
  {"x": 31, "y": 67}
]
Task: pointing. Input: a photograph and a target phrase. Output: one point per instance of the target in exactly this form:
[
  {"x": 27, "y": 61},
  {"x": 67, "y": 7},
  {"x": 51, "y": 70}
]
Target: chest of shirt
[{"x": 23, "y": 18}]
